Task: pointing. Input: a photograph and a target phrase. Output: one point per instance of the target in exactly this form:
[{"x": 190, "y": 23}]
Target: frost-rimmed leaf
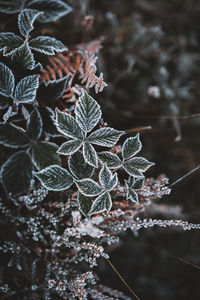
[
  {"x": 47, "y": 45},
  {"x": 136, "y": 165},
  {"x": 78, "y": 167},
  {"x": 88, "y": 187},
  {"x": 53, "y": 9},
  {"x": 16, "y": 173},
  {"x": 85, "y": 203},
  {"x": 106, "y": 137},
  {"x": 45, "y": 154},
  {"x": 26, "y": 18},
  {"x": 26, "y": 89},
  {"x": 105, "y": 176},
  {"x": 107, "y": 179},
  {"x": 11, "y": 6},
  {"x": 25, "y": 57},
  {"x": 67, "y": 125},
  {"x": 54, "y": 89},
  {"x": 112, "y": 160},
  {"x": 34, "y": 125},
  {"x": 88, "y": 112},
  {"x": 49, "y": 121},
  {"x": 90, "y": 154},
  {"x": 138, "y": 184},
  {"x": 132, "y": 195},
  {"x": 13, "y": 136},
  {"x": 7, "y": 81},
  {"x": 112, "y": 183},
  {"x": 101, "y": 203},
  {"x": 9, "y": 43},
  {"x": 55, "y": 178},
  {"x": 131, "y": 147},
  {"x": 70, "y": 147}
]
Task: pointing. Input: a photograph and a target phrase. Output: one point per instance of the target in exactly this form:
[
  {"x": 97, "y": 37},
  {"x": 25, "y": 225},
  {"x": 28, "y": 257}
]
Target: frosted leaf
[
  {"x": 90, "y": 154},
  {"x": 26, "y": 19},
  {"x": 55, "y": 178},
  {"x": 26, "y": 89},
  {"x": 13, "y": 136},
  {"x": 16, "y": 173},
  {"x": 131, "y": 147},
  {"x": 34, "y": 125},
  {"x": 88, "y": 112},
  {"x": 67, "y": 125},
  {"x": 88, "y": 187},
  {"x": 52, "y": 9},
  {"x": 47, "y": 45},
  {"x": 7, "y": 81},
  {"x": 106, "y": 137},
  {"x": 112, "y": 160},
  {"x": 9, "y": 43},
  {"x": 70, "y": 147},
  {"x": 78, "y": 167},
  {"x": 45, "y": 154},
  {"x": 101, "y": 203}
]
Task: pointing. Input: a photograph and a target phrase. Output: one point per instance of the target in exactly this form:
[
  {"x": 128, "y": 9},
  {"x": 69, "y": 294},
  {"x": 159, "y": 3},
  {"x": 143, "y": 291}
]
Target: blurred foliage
[{"x": 150, "y": 60}]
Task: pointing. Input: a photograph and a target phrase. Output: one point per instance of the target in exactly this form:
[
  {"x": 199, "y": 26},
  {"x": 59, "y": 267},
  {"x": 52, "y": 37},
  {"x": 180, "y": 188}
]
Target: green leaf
[
  {"x": 131, "y": 147},
  {"x": 53, "y": 90},
  {"x": 16, "y": 173},
  {"x": 34, "y": 125},
  {"x": 112, "y": 160},
  {"x": 11, "y": 6},
  {"x": 88, "y": 112},
  {"x": 106, "y": 137},
  {"x": 53, "y": 9},
  {"x": 107, "y": 179},
  {"x": 47, "y": 45},
  {"x": 45, "y": 154},
  {"x": 25, "y": 57},
  {"x": 67, "y": 125},
  {"x": 25, "y": 91},
  {"x": 7, "y": 81},
  {"x": 132, "y": 195},
  {"x": 26, "y": 18},
  {"x": 138, "y": 184},
  {"x": 90, "y": 154},
  {"x": 70, "y": 147},
  {"x": 136, "y": 165},
  {"x": 88, "y": 187},
  {"x": 85, "y": 204},
  {"x": 49, "y": 121},
  {"x": 55, "y": 178},
  {"x": 9, "y": 43},
  {"x": 105, "y": 176},
  {"x": 101, "y": 203},
  {"x": 78, "y": 167},
  {"x": 13, "y": 136}
]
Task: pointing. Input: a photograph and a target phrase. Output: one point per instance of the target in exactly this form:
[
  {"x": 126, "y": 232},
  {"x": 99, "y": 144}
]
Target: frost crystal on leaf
[
  {"x": 88, "y": 112},
  {"x": 26, "y": 89},
  {"x": 54, "y": 178},
  {"x": 7, "y": 81},
  {"x": 26, "y": 19},
  {"x": 52, "y": 9},
  {"x": 9, "y": 43},
  {"x": 106, "y": 137}
]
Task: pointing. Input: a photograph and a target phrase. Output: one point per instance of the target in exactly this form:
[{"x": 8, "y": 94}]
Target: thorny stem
[
  {"x": 184, "y": 176},
  {"x": 122, "y": 279}
]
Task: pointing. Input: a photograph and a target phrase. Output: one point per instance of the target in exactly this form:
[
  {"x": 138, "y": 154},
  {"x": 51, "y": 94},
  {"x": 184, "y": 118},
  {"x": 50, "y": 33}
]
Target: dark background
[{"x": 153, "y": 43}]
